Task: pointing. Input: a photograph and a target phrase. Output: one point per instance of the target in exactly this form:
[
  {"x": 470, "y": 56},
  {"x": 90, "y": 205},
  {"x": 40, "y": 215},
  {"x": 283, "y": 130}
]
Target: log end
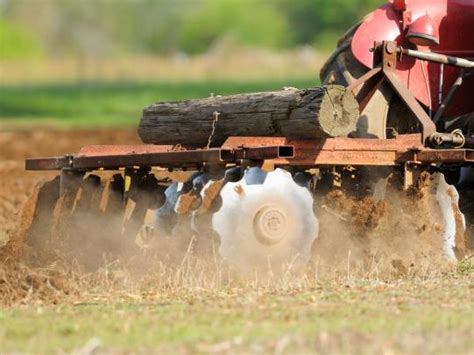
[{"x": 339, "y": 111}]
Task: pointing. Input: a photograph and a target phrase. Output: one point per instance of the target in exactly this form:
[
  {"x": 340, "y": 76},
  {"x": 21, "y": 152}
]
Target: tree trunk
[{"x": 329, "y": 111}]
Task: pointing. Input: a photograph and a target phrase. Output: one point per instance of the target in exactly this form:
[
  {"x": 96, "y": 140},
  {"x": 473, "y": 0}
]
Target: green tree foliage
[
  {"x": 17, "y": 43},
  {"x": 158, "y": 24},
  {"x": 88, "y": 28},
  {"x": 323, "y": 21},
  {"x": 253, "y": 22}
]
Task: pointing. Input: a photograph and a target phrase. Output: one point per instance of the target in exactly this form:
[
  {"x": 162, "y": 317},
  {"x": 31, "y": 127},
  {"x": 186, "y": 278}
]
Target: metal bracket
[
  {"x": 389, "y": 63},
  {"x": 411, "y": 174},
  {"x": 385, "y": 63}
]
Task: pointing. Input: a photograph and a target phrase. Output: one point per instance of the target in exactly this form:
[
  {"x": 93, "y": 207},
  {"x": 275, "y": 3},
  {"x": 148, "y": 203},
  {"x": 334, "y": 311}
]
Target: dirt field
[{"x": 418, "y": 307}]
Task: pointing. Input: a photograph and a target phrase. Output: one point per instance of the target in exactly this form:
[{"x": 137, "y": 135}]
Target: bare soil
[{"x": 18, "y": 282}]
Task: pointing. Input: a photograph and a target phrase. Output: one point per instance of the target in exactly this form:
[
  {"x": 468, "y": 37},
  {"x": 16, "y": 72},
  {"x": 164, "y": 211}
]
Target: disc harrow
[{"x": 259, "y": 200}]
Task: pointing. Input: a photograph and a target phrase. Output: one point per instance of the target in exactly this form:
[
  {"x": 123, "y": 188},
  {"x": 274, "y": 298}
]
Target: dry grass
[
  {"x": 235, "y": 64},
  {"x": 200, "y": 306}
]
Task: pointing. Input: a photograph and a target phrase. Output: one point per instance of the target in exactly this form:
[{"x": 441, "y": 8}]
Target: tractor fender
[{"x": 455, "y": 21}]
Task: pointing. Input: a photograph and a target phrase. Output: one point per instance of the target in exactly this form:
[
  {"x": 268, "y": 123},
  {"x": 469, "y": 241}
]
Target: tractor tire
[{"x": 342, "y": 68}]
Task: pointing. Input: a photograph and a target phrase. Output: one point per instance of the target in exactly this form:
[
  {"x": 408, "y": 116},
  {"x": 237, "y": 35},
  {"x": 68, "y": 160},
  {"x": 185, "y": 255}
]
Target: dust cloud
[{"x": 92, "y": 245}]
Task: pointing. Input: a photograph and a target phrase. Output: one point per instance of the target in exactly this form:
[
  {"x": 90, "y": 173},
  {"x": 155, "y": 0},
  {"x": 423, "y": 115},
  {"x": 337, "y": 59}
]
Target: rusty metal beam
[
  {"x": 389, "y": 60},
  {"x": 106, "y": 157},
  {"x": 147, "y": 159},
  {"x": 53, "y": 163},
  {"x": 427, "y": 124},
  {"x": 258, "y": 153},
  {"x": 101, "y": 150},
  {"x": 282, "y": 151},
  {"x": 357, "y": 151},
  {"x": 363, "y": 79}
]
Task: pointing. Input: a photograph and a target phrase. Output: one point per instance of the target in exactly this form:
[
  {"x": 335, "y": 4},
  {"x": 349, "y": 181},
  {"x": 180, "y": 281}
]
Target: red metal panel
[{"x": 455, "y": 19}]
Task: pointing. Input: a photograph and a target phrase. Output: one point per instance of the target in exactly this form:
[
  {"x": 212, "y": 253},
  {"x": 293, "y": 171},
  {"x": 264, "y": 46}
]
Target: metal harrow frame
[{"x": 426, "y": 148}]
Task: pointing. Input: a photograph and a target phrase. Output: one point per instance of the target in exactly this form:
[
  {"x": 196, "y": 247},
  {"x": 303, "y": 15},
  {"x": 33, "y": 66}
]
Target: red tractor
[{"x": 409, "y": 65}]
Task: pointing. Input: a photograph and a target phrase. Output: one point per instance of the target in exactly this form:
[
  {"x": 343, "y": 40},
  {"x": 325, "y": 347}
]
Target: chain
[{"x": 215, "y": 114}]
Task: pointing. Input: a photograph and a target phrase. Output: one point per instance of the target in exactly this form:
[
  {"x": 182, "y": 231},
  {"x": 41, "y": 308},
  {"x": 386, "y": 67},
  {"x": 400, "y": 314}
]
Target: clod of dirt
[
  {"x": 21, "y": 284},
  {"x": 362, "y": 214}
]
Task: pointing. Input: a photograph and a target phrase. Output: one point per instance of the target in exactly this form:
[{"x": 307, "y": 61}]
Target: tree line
[{"x": 121, "y": 27}]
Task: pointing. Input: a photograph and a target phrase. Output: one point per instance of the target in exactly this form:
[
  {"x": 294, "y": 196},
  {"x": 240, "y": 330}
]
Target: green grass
[
  {"x": 112, "y": 104},
  {"x": 411, "y": 316}
]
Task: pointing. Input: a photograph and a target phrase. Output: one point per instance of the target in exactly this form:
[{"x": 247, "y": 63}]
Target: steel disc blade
[
  {"x": 165, "y": 217},
  {"x": 453, "y": 220},
  {"x": 266, "y": 224}
]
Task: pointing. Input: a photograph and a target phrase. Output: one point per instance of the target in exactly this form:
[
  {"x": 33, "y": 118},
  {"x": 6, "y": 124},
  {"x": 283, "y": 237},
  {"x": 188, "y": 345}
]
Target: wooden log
[{"x": 329, "y": 111}]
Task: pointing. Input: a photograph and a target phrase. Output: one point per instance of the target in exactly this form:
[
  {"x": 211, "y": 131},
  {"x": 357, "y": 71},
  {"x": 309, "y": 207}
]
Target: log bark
[{"x": 329, "y": 111}]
